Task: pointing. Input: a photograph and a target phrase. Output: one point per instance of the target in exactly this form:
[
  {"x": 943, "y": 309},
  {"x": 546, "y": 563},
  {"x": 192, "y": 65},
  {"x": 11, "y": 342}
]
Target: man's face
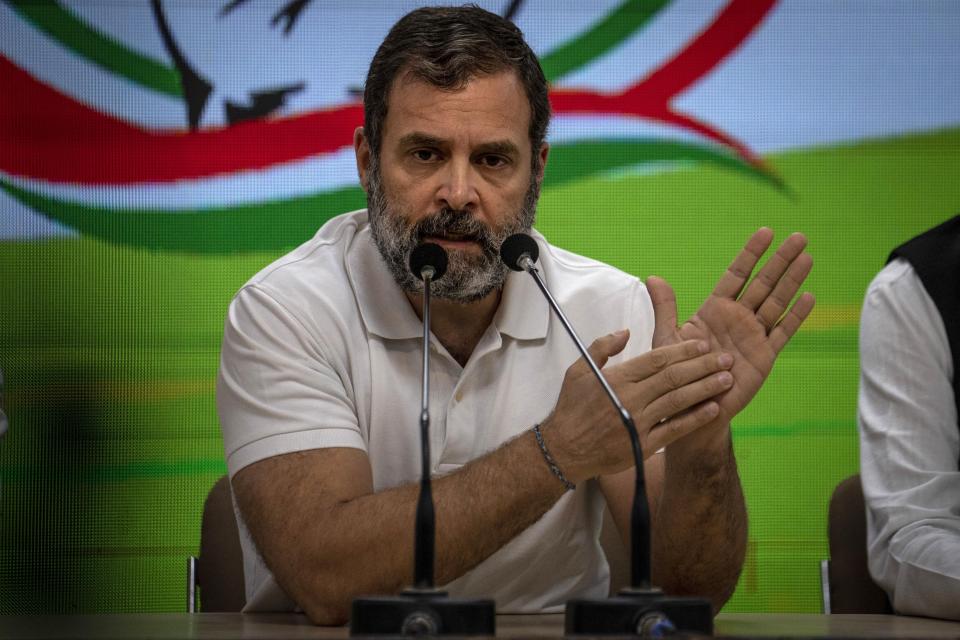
[{"x": 454, "y": 168}]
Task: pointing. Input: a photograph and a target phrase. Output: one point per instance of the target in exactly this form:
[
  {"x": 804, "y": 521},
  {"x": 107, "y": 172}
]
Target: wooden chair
[
  {"x": 845, "y": 579},
  {"x": 218, "y": 571}
]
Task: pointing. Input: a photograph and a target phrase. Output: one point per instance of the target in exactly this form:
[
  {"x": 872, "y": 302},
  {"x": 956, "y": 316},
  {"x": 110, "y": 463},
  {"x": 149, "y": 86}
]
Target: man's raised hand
[{"x": 751, "y": 322}]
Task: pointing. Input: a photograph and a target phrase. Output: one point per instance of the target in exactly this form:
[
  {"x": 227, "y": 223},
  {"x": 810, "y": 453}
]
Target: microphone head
[
  {"x": 515, "y": 247},
  {"x": 428, "y": 254}
]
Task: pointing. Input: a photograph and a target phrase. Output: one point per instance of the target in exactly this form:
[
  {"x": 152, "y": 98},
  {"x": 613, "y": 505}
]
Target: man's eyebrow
[
  {"x": 501, "y": 147},
  {"x": 418, "y": 139}
]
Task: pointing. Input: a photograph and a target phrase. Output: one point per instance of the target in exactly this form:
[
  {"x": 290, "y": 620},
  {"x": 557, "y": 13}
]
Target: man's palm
[{"x": 752, "y": 327}]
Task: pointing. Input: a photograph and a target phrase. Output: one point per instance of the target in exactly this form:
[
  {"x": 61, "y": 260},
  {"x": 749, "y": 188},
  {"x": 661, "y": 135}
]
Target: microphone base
[
  {"x": 646, "y": 613},
  {"x": 422, "y": 612}
]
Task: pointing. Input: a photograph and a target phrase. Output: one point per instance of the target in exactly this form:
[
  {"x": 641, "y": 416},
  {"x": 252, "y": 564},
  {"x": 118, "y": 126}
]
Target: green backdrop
[{"x": 110, "y": 351}]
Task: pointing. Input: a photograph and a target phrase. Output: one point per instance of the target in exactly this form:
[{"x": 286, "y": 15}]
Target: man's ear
[
  {"x": 361, "y": 148},
  {"x": 544, "y": 152}
]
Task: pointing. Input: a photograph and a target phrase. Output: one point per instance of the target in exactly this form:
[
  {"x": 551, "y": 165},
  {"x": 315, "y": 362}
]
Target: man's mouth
[{"x": 453, "y": 240}]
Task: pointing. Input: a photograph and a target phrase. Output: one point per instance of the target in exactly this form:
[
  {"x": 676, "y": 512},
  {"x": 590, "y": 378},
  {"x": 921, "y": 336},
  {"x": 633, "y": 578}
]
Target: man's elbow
[
  {"x": 328, "y": 613},
  {"x": 319, "y": 590},
  {"x": 714, "y": 580},
  {"x": 329, "y": 599},
  {"x": 717, "y": 592},
  {"x": 326, "y": 601},
  {"x": 721, "y": 595}
]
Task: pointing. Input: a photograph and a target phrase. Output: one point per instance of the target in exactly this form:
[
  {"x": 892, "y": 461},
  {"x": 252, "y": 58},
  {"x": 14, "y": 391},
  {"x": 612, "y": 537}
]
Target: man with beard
[{"x": 318, "y": 391}]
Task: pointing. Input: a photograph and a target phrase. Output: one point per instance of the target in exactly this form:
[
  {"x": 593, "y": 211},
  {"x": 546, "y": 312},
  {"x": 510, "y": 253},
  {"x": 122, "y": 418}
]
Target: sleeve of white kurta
[
  {"x": 909, "y": 446},
  {"x": 279, "y": 389}
]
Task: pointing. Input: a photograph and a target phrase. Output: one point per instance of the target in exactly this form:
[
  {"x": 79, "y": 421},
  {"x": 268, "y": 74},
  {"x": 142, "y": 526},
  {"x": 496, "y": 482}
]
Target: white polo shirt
[{"x": 322, "y": 349}]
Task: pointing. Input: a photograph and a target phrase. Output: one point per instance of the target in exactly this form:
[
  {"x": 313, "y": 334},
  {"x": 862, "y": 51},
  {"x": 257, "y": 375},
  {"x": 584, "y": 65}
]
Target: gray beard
[{"x": 469, "y": 277}]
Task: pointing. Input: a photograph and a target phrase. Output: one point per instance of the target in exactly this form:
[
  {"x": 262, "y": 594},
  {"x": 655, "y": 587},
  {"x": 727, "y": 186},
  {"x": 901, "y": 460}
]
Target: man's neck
[{"x": 458, "y": 326}]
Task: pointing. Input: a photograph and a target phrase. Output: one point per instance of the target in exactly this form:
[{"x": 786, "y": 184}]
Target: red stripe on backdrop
[
  {"x": 47, "y": 135},
  {"x": 712, "y": 46},
  {"x": 586, "y": 103},
  {"x": 650, "y": 98}
]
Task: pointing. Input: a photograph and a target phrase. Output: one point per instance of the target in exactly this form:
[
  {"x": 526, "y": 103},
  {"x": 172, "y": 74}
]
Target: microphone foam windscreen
[
  {"x": 428, "y": 254},
  {"x": 515, "y": 246}
]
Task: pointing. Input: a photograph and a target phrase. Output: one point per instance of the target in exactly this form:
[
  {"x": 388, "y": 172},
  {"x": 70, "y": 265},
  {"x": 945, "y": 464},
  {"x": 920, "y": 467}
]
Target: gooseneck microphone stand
[
  {"x": 640, "y": 609},
  {"x": 423, "y": 610},
  {"x": 429, "y": 261}
]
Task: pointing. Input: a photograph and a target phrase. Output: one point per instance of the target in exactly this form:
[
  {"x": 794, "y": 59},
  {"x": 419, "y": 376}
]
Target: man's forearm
[
  {"x": 364, "y": 545},
  {"x": 327, "y": 537},
  {"x": 700, "y": 533}
]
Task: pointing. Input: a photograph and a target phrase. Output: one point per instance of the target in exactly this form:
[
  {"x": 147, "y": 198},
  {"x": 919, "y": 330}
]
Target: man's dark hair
[{"x": 447, "y": 47}]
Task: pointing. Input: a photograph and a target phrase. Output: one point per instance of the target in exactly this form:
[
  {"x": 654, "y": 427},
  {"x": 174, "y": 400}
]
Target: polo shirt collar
[
  {"x": 523, "y": 313},
  {"x": 385, "y": 310}
]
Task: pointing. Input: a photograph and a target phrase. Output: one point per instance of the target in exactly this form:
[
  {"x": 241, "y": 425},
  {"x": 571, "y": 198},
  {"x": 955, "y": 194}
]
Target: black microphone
[
  {"x": 640, "y": 609},
  {"x": 517, "y": 250},
  {"x": 428, "y": 260},
  {"x": 423, "y": 610}
]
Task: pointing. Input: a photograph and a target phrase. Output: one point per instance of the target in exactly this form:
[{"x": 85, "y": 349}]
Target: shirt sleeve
[
  {"x": 639, "y": 318},
  {"x": 909, "y": 446},
  {"x": 277, "y": 390}
]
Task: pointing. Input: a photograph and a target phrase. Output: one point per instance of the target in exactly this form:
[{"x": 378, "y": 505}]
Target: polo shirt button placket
[{"x": 452, "y": 405}]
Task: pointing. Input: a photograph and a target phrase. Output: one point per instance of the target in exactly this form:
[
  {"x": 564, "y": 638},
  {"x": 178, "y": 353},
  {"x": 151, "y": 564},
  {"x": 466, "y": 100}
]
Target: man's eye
[
  {"x": 424, "y": 155},
  {"x": 493, "y": 161}
]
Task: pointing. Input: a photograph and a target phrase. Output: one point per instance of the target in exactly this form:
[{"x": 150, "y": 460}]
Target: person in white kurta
[{"x": 909, "y": 446}]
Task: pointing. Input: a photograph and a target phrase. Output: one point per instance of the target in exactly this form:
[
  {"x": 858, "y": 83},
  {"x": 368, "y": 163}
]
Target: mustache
[{"x": 454, "y": 222}]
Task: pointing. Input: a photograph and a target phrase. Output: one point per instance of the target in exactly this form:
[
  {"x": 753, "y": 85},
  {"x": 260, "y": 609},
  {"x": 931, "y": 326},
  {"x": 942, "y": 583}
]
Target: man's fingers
[
  {"x": 664, "y": 310},
  {"x": 680, "y": 425},
  {"x": 770, "y": 274},
  {"x": 782, "y": 333},
  {"x": 656, "y": 360},
  {"x": 679, "y": 400},
  {"x": 737, "y": 274},
  {"x": 776, "y": 303},
  {"x": 680, "y": 374},
  {"x": 601, "y": 350}
]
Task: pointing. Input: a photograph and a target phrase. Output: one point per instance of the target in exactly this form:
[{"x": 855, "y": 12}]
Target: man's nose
[{"x": 458, "y": 188}]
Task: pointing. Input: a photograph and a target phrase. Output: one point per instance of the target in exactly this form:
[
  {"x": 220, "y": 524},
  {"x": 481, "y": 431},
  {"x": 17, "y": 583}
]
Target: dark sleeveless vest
[{"x": 935, "y": 256}]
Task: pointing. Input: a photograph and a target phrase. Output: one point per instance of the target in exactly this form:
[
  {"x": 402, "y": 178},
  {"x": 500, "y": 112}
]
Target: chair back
[
  {"x": 852, "y": 590},
  {"x": 219, "y": 569}
]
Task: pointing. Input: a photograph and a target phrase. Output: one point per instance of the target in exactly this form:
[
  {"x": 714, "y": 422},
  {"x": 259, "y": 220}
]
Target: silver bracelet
[{"x": 550, "y": 461}]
